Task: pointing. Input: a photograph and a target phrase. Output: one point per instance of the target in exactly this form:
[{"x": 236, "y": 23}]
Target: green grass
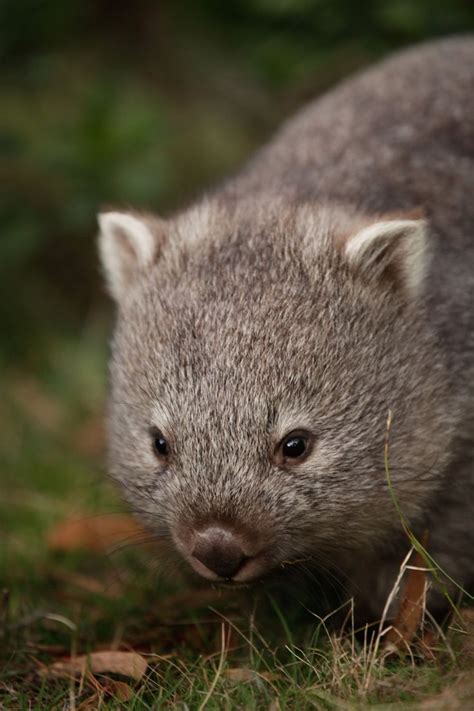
[{"x": 202, "y": 647}]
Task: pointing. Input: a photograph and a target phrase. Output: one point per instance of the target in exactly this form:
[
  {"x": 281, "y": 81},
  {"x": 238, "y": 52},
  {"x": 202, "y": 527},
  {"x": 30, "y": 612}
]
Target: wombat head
[{"x": 257, "y": 353}]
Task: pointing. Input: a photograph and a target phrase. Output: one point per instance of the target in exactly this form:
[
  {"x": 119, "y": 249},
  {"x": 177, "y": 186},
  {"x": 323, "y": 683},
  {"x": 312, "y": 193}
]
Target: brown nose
[{"x": 219, "y": 550}]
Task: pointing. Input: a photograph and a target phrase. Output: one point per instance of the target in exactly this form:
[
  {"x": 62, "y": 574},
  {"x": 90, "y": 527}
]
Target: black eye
[
  {"x": 160, "y": 445},
  {"x": 295, "y": 445}
]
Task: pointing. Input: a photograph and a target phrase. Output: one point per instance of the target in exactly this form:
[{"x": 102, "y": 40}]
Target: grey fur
[{"x": 250, "y": 323}]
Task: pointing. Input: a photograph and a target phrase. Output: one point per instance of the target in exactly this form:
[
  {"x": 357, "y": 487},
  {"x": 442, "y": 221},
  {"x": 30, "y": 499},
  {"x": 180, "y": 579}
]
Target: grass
[{"x": 205, "y": 648}]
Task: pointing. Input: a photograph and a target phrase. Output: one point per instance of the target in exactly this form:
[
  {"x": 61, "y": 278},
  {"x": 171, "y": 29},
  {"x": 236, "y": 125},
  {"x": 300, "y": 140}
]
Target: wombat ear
[
  {"x": 391, "y": 250},
  {"x": 127, "y": 246}
]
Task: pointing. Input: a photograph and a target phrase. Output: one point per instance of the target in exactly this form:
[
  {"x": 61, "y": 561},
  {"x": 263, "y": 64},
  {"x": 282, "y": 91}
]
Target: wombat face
[{"x": 256, "y": 358}]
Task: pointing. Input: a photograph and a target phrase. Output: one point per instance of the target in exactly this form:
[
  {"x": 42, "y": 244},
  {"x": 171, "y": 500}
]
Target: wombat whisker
[
  {"x": 127, "y": 544},
  {"x": 329, "y": 571}
]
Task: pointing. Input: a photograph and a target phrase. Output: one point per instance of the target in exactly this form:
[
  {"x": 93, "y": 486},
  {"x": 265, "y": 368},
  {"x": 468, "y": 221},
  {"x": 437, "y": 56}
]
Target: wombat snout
[
  {"x": 220, "y": 553},
  {"x": 219, "y": 550}
]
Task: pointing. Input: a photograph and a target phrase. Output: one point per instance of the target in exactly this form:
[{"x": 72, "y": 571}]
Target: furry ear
[
  {"x": 127, "y": 246},
  {"x": 394, "y": 250}
]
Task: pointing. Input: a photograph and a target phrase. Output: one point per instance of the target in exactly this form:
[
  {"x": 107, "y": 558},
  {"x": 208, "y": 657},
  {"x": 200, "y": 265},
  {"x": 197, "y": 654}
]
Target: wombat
[{"x": 292, "y": 370}]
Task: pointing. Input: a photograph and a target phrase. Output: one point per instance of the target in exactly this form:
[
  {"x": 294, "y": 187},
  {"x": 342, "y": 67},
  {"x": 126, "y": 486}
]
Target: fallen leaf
[
  {"x": 95, "y": 533},
  {"x": 118, "y": 689},
  {"x": 238, "y": 675},
  {"x": 128, "y": 664},
  {"x": 412, "y": 605}
]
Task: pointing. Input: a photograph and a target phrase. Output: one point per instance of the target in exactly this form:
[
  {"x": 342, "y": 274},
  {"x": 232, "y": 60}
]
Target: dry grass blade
[
  {"x": 129, "y": 664},
  {"x": 412, "y": 606}
]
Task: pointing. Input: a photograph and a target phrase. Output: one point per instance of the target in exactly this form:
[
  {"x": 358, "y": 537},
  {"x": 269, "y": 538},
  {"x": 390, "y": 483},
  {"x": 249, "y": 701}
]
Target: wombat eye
[
  {"x": 295, "y": 445},
  {"x": 160, "y": 445}
]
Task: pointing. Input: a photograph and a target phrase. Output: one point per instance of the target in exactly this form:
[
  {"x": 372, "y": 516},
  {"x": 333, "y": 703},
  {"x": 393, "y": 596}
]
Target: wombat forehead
[
  {"x": 190, "y": 324},
  {"x": 231, "y": 345},
  {"x": 229, "y": 364},
  {"x": 194, "y": 342}
]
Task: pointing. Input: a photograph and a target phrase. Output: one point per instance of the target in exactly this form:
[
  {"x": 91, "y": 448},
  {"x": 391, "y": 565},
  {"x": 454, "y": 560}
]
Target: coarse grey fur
[{"x": 246, "y": 319}]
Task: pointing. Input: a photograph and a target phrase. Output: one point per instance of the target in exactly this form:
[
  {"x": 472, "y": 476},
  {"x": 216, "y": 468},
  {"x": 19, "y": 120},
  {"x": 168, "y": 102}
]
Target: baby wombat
[{"x": 265, "y": 333}]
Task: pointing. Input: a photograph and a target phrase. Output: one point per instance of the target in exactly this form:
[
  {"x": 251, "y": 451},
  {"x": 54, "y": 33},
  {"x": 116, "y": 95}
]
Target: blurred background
[{"x": 135, "y": 104}]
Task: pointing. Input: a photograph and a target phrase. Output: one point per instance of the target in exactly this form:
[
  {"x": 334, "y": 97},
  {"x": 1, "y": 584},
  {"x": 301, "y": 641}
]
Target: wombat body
[{"x": 293, "y": 361}]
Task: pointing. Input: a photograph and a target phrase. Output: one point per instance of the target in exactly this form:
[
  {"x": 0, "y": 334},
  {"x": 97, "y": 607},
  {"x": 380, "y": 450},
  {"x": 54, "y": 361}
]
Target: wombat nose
[{"x": 219, "y": 550}]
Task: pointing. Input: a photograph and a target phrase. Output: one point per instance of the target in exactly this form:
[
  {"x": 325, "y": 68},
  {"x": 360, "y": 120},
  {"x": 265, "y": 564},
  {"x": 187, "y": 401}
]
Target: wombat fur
[{"x": 326, "y": 288}]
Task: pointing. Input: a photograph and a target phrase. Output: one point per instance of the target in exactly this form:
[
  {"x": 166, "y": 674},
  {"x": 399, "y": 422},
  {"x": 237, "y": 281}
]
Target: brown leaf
[
  {"x": 410, "y": 613},
  {"x": 95, "y": 533},
  {"x": 240, "y": 674},
  {"x": 128, "y": 664},
  {"x": 118, "y": 689}
]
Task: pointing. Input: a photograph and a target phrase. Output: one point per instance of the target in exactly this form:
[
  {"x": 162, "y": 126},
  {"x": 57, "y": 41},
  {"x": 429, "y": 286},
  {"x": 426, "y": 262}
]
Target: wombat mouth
[
  {"x": 234, "y": 585},
  {"x": 194, "y": 578}
]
